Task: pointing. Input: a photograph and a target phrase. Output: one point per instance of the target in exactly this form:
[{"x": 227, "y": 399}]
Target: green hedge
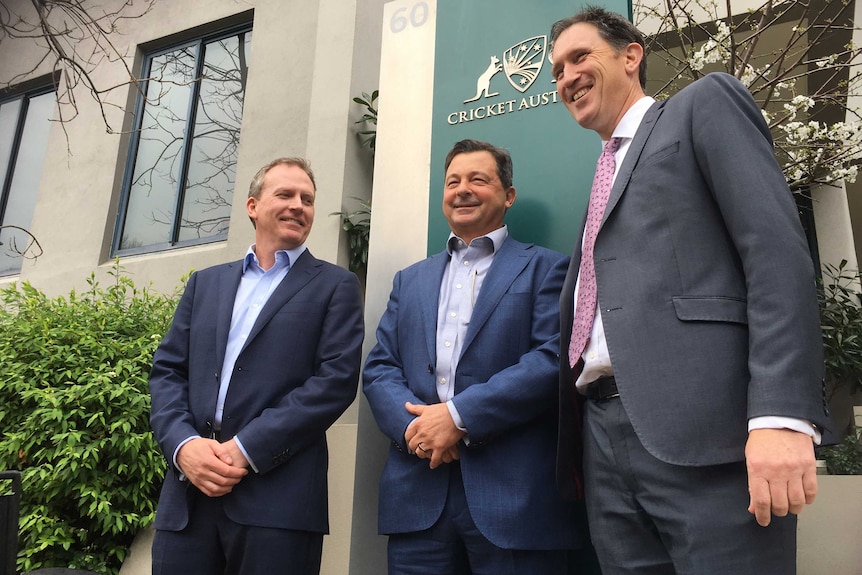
[{"x": 74, "y": 419}]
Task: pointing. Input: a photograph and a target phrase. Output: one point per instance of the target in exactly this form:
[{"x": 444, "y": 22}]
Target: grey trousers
[{"x": 652, "y": 518}]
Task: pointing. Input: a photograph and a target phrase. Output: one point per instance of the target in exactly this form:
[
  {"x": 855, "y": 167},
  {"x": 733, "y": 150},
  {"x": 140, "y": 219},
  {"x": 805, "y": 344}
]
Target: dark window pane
[
  {"x": 21, "y": 197},
  {"x": 150, "y": 211},
  {"x": 8, "y": 123},
  {"x": 215, "y": 140}
]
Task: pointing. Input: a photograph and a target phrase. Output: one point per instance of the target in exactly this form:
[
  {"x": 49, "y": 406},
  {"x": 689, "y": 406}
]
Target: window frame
[{"x": 197, "y": 44}]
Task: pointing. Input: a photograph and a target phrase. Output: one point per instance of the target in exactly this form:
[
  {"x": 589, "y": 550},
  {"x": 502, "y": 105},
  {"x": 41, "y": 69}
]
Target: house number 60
[{"x": 418, "y": 15}]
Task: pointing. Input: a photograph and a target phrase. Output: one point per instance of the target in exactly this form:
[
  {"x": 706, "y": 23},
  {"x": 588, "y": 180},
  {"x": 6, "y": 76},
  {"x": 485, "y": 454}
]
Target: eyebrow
[{"x": 471, "y": 174}]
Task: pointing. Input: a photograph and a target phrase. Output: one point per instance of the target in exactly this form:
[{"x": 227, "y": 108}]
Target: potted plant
[{"x": 841, "y": 322}]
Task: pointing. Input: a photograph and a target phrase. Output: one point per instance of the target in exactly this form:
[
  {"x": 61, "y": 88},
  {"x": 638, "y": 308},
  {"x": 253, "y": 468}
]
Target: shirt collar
[
  {"x": 497, "y": 238},
  {"x": 282, "y": 257},
  {"x": 632, "y": 118}
]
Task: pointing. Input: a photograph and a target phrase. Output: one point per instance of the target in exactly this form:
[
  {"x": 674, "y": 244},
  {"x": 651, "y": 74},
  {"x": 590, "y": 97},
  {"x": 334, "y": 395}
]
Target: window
[
  {"x": 182, "y": 161},
  {"x": 25, "y": 122}
]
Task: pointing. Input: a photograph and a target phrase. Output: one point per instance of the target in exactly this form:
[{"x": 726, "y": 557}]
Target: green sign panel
[{"x": 493, "y": 82}]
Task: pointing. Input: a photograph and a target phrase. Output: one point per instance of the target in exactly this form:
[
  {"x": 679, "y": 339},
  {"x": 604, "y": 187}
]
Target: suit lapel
[
  {"x": 429, "y": 300},
  {"x": 301, "y": 272},
  {"x": 228, "y": 286},
  {"x": 507, "y": 265},
  {"x": 633, "y": 155}
]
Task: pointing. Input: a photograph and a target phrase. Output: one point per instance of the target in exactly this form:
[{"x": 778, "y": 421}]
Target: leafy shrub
[
  {"x": 74, "y": 411},
  {"x": 846, "y": 457},
  {"x": 357, "y": 224},
  {"x": 841, "y": 322},
  {"x": 369, "y": 119}
]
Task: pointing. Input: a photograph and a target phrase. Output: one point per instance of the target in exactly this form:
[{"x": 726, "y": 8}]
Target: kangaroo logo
[
  {"x": 523, "y": 62},
  {"x": 483, "y": 83}
]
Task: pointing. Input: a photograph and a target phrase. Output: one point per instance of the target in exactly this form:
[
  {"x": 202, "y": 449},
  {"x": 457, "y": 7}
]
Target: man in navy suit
[
  {"x": 700, "y": 367},
  {"x": 262, "y": 357},
  {"x": 463, "y": 381}
]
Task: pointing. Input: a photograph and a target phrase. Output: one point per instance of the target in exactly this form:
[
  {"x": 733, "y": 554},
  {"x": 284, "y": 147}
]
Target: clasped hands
[
  {"x": 213, "y": 467},
  {"x": 433, "y": 435}
]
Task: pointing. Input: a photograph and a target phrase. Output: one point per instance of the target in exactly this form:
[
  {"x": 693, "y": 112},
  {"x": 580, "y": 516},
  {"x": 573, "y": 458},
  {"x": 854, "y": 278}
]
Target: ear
[
  {"x": 634, "y": 53},
  {"x": 510, "y": 197},
  {"x": 251, "y": 207}
]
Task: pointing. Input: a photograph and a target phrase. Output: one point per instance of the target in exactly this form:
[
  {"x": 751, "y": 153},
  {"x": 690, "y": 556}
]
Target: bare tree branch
[
  {"x": 31, "y": 250},
  {"x": 74, "y": 39}
]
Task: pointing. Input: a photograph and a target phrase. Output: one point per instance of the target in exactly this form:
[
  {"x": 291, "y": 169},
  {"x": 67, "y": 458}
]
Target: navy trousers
[
  {"x": 212, "y": 544},
  {"x": 455, "y": 546}
]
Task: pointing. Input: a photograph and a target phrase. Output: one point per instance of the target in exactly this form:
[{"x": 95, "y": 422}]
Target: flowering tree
[{"x": 796, "y": 57}]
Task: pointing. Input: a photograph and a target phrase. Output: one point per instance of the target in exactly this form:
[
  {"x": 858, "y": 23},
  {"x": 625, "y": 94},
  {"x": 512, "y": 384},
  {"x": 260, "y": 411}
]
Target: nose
[
  {"x": 294, "y": 203},
  {"x": 567, "y": 76},
  {"x": 463, "y": 188}
]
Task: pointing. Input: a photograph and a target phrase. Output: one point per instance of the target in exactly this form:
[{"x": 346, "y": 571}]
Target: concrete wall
[{"x": 398, "y": 237}]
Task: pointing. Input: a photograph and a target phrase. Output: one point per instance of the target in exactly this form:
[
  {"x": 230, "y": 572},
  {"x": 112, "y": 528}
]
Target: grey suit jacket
[{"x": 705, "y": 284}]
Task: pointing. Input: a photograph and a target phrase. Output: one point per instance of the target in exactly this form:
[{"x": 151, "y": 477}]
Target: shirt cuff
[
  {"x": 779, "y": 422},
  {"x": 404, "y": 437},
  {"x": 456, "y": 419},
  {"x": 177, "y": 450},
  {"x": 245, "y": 453}
]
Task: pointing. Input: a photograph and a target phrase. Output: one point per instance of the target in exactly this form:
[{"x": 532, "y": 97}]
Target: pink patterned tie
[{"x": 585, "y": 310}]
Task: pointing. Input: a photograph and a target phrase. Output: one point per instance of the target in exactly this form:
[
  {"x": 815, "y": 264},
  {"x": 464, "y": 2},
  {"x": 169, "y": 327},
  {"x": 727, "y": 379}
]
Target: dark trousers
[
  {"x": 652, "y": 518},
  {"x": 455, "y": 546},
  {"x": 212, "y": 544}
]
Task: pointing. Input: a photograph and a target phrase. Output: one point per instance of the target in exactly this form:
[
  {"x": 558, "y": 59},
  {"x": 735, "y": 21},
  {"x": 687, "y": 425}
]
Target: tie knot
[{"x": 612, "y": 146}]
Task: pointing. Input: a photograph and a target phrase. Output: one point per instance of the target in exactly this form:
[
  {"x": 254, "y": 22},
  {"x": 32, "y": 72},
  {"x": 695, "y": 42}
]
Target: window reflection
[
  {"x": 185, "y": 156},
  {"x": 24, "y": 128}
]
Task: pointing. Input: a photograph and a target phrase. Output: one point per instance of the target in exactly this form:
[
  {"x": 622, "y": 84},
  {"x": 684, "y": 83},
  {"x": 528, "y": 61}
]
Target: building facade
[{"x": 159, "y": 179}]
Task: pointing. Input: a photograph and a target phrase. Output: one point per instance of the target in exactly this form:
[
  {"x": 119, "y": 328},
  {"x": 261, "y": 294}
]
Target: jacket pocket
[
  {"x": 698, "y": 308},
  {"x": 658, "y": 155}
]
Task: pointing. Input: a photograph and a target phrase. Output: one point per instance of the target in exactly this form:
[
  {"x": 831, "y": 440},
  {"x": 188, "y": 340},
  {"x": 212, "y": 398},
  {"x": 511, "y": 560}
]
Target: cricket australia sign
[{"x": 521, "y": 65}]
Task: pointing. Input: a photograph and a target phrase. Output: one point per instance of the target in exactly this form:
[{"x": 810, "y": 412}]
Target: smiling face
[
  {"x": 474, "y": 199},
  {"x": 597, "y": 83},
  {"x": 283, "y": 211}
]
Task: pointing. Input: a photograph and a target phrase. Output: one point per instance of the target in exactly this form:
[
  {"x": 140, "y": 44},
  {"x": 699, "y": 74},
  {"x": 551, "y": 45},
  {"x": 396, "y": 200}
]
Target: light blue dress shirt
[
  {"x": 459, "y": 291},
  {"x": 255, "y": 288}
]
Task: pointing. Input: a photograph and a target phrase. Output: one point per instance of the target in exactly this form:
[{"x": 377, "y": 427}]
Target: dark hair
[
  {"x": 614, "y": 29},
  {"x": 257, "y": 181},
  {"x": 501, "y": 156}
]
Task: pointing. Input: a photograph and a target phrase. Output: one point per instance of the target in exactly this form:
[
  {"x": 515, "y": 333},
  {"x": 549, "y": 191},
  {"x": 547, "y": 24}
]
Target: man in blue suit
[
  {"x": 463, "y": 381},
  {"x": 262, "y": 357},
  {"x": 700, "y": 360}
]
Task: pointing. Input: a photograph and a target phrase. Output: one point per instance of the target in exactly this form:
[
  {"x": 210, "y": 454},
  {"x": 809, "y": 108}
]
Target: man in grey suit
[
  {"x": 463, "y": 380},
  {"x": 690, "y": 332}
]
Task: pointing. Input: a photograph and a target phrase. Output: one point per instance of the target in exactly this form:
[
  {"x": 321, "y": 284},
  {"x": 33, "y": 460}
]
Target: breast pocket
[
  {"x": 659, "y": 155},
  {"x": 696, "y": 308}
]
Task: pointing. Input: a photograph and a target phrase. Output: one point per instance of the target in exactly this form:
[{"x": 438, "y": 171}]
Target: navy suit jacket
[
  {"x": 705, "y": 284},
  {"x": 297, "y": 372},
  {"x": 505, "y": 389}
]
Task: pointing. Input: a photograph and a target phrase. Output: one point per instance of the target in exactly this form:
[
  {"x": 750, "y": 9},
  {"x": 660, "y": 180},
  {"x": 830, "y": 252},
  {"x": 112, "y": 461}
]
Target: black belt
[{"x": 602, "y": 388}]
